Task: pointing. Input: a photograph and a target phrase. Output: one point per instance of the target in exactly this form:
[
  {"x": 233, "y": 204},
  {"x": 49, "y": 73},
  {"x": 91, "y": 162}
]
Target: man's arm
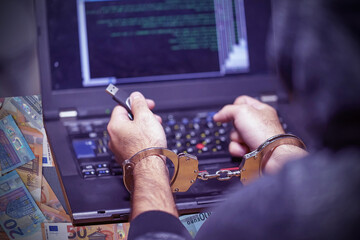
[
  {"x": 151, "y": 188},
  {"x": 151, "y": 179},
  {"x": 154, "y": 214}
]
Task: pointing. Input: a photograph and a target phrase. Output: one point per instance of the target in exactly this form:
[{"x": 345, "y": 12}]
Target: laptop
[{"x": 191, "y": 57}]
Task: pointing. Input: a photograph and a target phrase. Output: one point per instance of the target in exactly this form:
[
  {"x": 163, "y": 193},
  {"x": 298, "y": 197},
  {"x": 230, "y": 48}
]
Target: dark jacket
[{"x": 317, "y": 52}]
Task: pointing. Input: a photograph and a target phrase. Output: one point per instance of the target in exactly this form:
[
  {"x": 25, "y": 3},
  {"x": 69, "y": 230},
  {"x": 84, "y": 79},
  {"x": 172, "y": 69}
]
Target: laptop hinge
[{"x": 68, "y": 114}]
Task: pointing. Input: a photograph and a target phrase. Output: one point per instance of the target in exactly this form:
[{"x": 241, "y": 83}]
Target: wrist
[
  {"x": 150, "y": 166},
  {"x": 152, "y": 190},
  {"x": 281, "y": 155}
]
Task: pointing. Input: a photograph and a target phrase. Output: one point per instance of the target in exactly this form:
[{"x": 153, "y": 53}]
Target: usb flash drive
[{"x": 120, "y": 97}]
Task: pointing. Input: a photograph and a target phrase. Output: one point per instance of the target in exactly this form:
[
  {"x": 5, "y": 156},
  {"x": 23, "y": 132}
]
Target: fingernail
[{"x": 135, "y": 95}]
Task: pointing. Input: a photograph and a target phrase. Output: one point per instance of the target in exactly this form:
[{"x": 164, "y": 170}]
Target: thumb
[{"x": 138, "y": 103}]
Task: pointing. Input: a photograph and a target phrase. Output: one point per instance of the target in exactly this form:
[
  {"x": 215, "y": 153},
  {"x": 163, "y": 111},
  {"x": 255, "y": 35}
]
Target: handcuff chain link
[{"x": 221, "y": 175}]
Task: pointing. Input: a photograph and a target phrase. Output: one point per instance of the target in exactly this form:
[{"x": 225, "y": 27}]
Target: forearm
[{"x": 151, "y": 188}]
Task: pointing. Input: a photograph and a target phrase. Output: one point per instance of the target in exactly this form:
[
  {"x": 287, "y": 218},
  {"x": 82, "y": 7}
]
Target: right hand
[
  {"x": 254, "y": 123},
  {"x": 129, "y": 137}
]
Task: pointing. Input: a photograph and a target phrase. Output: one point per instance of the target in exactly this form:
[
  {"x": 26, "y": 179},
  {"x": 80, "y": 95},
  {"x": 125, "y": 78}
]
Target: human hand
[
  {"x": 129, "y": 137},
  {"x": 254, "y": 123}
]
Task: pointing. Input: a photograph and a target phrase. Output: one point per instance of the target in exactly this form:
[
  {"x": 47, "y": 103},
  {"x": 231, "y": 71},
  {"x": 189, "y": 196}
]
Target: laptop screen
[{"x": 97, "y": 42}]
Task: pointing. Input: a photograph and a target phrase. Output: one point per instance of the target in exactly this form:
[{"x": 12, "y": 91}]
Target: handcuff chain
[{"x": 221, "y": 175}]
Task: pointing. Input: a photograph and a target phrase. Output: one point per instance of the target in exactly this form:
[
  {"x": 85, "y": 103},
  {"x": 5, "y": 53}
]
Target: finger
[
  {"x": 226, "y": 114},
  {"x": 119, "y": 116},
  {"x": 235, "y": 136},
  {"x": 110, "y": 146},
  {"x": 119, "y": 113},
  {"x": 237, "y": 149},
  {"x": 158, "y": 118},
  {"x": 138, "y": 104},
  {"x": 150, "y": 103},
  {"x": 250, "y": 101}
]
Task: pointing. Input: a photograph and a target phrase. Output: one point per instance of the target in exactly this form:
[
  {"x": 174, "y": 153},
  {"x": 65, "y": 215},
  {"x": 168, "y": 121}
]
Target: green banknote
[
  {"x": 14, "y": 150},
  {"x": 20, "y": 217}
]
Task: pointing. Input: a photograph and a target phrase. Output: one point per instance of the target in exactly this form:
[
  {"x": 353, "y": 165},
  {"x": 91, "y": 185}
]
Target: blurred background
[{"x": 19, "y": 70}]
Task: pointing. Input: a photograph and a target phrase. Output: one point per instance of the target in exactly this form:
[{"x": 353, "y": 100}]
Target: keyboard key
[
  {"x": 178, "y": 135},
  {"x": 185, "y": 121},
  {"x": 210, "y": 124},
  {"x": 196, "y": 120},
  {"x": 190, "y": 150},
  {"x": 208, "y": 140},
  {"x": 222, "y": 139},
  {"x": 73, "y": 129},
  {"x": 167, "y": 130},
  {"x": 200, "y": 146},
  {"x": 102, "y": 165},
  {"x": 86, "y": 128},
  {"x": 222, "y": 131},
  {"x": 93, "y": 135},
  {"x": 103, "y": 172},
  {"x": 171, "y": 122},
  {"x": 89, "y": 173},
  {"x": 84, "y": 148},
  {"x": 87, "y": 167},
  {"x": 175, "y": 150}
]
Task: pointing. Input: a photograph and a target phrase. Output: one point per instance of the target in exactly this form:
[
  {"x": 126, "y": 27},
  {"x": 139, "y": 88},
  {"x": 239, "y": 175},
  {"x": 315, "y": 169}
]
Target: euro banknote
[
  {"x": 65, "y": 231},
  {"x": 48, "y": 196},
  {"x": 14, "y": 150},
  {"x": 30, "y": 107},
  {"x": 1, "y": 102},
  {"x": 3, "y": 235},
  {"x": 54, "y": 216},
  {"x": 28, "y": 111},
  {"x": 193, "y": 222},
  {"x": 20, "y": 217},
  {"x": 31, "y": 172}
]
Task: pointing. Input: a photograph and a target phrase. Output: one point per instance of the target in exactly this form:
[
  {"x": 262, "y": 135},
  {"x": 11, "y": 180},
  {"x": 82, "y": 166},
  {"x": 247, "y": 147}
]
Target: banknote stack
[
  {"x": 27, "y": 112},
  {"x": 29, "y": 208}
]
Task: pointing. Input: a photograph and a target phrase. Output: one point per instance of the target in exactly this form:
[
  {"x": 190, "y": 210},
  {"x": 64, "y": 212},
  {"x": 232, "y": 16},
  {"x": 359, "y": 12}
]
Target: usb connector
[
  {"x": 120, "y": 97},
  {"x": 111, "y": 89}
]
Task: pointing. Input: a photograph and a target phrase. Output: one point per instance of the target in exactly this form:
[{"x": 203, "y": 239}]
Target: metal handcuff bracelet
[{"x": 186, "y": 170}]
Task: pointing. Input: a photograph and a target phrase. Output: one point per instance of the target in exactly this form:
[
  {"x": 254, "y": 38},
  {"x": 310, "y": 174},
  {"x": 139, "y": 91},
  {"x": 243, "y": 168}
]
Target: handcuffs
[{"x": 186, "y": 170}]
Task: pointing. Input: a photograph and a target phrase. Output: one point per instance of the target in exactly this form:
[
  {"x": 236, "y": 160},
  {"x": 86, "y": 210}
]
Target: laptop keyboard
[{"x": 192, "y": 132}]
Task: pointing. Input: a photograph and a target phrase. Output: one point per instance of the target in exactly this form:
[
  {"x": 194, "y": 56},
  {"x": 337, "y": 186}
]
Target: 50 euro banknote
[
  {"x": 65, "y": 231},
  {"x": 20, "y": 217}
]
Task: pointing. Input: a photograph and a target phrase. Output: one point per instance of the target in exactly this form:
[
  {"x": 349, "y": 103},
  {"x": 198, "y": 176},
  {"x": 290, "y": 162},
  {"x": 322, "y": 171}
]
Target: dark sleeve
[
  {"x": 157, "y": 225},
  {"x": 313, "y": 198}
]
